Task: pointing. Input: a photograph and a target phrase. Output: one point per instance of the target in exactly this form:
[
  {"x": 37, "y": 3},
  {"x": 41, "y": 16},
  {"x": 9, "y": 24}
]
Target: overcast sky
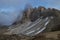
[
  {"x": 46, "y": 3},
  {"x": 9, "y": 8},
  {"x": 21, "y": 3}
]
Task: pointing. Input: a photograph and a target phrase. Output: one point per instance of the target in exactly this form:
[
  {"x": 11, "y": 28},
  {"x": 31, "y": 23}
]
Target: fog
[{"x": 11, "y": 9}]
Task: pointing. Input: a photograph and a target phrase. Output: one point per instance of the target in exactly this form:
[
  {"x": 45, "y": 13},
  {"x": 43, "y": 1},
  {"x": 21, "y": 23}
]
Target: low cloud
[{"x": 12, "y": 2}]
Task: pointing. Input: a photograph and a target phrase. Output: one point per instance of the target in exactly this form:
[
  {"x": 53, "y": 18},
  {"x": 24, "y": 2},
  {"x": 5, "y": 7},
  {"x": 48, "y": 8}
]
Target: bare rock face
[{"x": 32, "y": 15}]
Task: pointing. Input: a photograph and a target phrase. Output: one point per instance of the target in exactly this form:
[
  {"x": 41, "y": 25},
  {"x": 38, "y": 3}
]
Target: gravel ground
[{"x": 44, "y": 36}]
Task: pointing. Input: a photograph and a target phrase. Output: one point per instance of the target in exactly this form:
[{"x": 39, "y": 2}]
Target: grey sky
[
  {"x": 9, "y": 8},
  {"x": 21, "y": 3}
]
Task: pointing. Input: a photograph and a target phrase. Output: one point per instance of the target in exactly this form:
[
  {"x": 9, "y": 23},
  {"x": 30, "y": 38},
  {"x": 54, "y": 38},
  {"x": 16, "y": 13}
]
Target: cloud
[
  {"x": 12, "y": 2},
  {"x": 21, "y": 3},
  {"x": 48, "y": 3}
]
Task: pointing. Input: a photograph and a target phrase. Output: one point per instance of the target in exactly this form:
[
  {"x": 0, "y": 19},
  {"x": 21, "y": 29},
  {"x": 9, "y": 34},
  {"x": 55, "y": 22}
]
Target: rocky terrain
[{"x": 52, "y": 32}]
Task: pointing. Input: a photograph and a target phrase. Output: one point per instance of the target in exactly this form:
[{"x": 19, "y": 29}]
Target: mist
[{"x": 11, "y": 9}]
